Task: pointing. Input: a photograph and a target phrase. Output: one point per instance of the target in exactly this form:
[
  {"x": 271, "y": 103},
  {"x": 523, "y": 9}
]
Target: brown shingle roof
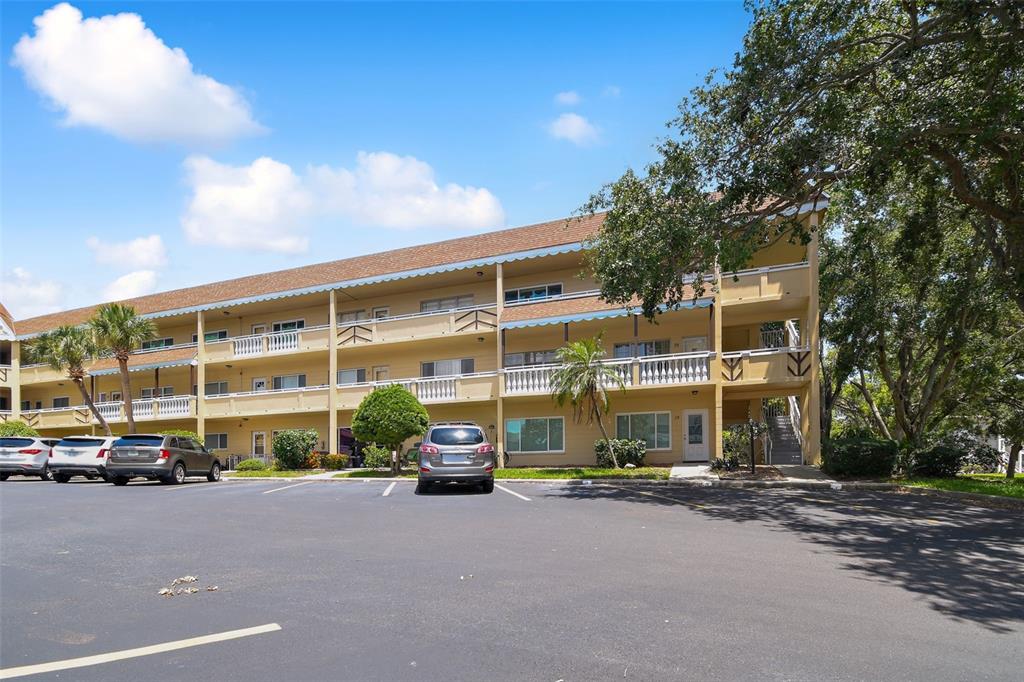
[
  {"x": 6, "y": 317},
  {"x": 553, "y": 233},
  {"x": 568, "y": 306},
  {"x": 156, "y": 357}
]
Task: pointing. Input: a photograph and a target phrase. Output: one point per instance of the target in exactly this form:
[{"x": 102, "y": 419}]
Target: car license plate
[{"x": 453, "y": 459}]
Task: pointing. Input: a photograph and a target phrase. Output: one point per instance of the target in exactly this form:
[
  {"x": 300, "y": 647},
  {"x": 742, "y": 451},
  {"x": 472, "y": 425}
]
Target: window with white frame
[
  {"x": 654, "y": 428},
  {"x": 535, "y": 434},
  {"x": 444, "y": 368},
  {"x": 351, "y": 376},
  {"x": 288, "y": 325},
  {"x": 213, "y": 388},
  {"x": 63, "y": 401},
  {"x": 352, "y": 316},
  {"x": 158, "y": 343},
  {"x": 446, "y": 303},
  {"x": 289, "y": 381},
  {"x": 382, "y": 312},
  {"x": 165, "y": 391},
  {"x": 530, "y": 357},
  {"x": 209, "y": 337},
  {"x": 639, "y": 349},
  {"x": 216, "y": 441},
  {"x": 533, "y": 293}
]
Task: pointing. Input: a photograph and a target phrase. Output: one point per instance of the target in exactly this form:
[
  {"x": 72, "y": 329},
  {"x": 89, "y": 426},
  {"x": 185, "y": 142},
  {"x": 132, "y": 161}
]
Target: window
[
  {"x": 444, "y": 368},
  {"x": 352, "y": 316},
  {"x": 446, "y": 303},
  {"x": 289, "y": 381},
  {"x": 532, "y": 293},
  {"x": 351, "y": 376},
  {"x": 62, "y": 402},
  {"x": 654, "y": 428},
  {"x": 208, "y": 337},
  {"x": 535, "y": 434},
  {"x": 695, "y": 344},
  {"x": 215, "y": 387},
  {"x": 530, "y": 357},
  {"x": 289, "y": 325},
  {"x": 26, "y": 405},
  {"x": 457, "y": 435},
  {"x": 158, "y": 343},
  {"x": 382, "y": 373},
  {"x": 216, "y": 441},
  {"x": 381, "y": 312},
  {"x": 115, "y": 395},
  {"x": 165, "y": 391},
  {"x": 641, "y": 349}
]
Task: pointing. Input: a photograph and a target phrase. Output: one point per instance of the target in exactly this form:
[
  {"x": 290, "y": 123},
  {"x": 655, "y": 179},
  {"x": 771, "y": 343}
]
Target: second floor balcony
[
  {"x": 277, "y": 401},
  {"x": 149, "y": 409},
  {"x": 6, "y": 376},
  {"x": 655, "y": 370},
  {"x": 455, "y": 388},
  {"x": 471, "y": 320},
  {"x": 273, "y": 343},
  {"x": 766, "y": 366}
]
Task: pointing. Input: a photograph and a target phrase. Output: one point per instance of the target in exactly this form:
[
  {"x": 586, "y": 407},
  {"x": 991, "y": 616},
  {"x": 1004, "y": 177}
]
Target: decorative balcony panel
[
  {"x": 306, "y": 399},
  {"x": 772, "y": 282},
  {"x": 419, "y": 325},
  {"x": 6, "y": 376},
  {"x": 772, "y": 365}
]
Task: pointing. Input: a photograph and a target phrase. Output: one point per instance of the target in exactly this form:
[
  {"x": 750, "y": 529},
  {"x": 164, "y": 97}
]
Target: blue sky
[{"x": 193, "y": 142}]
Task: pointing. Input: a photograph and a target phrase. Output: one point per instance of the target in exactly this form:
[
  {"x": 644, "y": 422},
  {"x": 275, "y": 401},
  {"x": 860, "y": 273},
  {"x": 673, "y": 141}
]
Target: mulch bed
[{"x": 764, "y": 473}]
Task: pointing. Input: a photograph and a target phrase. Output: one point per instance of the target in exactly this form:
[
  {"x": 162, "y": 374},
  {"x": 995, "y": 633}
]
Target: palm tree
[
  {"x": 67, "y": 349},
  {"x": 583, "y": 381},
  {"x": 120, "y": 330}
]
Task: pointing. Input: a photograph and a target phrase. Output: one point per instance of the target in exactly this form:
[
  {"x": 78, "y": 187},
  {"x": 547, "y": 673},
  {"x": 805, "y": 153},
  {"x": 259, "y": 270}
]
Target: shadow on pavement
[{"x": 967, "y": 562}]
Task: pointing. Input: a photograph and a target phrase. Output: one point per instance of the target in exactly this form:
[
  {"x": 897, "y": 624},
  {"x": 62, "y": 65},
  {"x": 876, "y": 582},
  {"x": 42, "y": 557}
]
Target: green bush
[
  {"x": 17, "y": 428},
  {"x": 730, "y": 463},
  {"x": 376, "y": 457},
  {"x": 979, "y": 456},
  {"x": 626, "y": 451},
  {"x": 940, "y": 461},
  {"x": 334, "y": 461},
  {"x": 859, "y": 457},
  {"x": 292, "y": 448},
  {"x": 252, "y": 464}
]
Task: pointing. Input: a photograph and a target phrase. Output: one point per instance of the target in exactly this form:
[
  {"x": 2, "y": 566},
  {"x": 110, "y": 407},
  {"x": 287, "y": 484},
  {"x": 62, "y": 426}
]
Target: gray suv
[
  {"x": 168, "y": 459},
  {"x": 456, "y": 452}
]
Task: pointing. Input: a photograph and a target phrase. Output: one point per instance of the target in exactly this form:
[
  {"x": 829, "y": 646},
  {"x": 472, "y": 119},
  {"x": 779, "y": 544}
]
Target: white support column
[
  {"x": 201, "y": 375},
  {"x": 332, "y": 379}
]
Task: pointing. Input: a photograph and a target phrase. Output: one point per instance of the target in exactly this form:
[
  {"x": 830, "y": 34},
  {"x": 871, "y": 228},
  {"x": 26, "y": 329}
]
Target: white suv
[
  {"x": 25, "y": 456},
  {"x": 80, "y": 456}
]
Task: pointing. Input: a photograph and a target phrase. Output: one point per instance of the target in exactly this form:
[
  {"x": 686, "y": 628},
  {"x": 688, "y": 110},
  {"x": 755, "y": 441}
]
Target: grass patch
[
  {"x": 978, "y": 484},
  {"x": 374, "y": 473},
  {"x": 270, "y": 473},
  {"x": 654, "y": 473}
]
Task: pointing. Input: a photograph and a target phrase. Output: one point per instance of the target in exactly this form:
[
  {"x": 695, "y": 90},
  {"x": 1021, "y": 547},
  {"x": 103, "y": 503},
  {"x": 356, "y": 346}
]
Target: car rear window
[
  {"x": 135, "y": 441},
  {"x": 457, "y": 435},
  {"x": 79, "y": 442},
  {"x": 15, "y": 442}
]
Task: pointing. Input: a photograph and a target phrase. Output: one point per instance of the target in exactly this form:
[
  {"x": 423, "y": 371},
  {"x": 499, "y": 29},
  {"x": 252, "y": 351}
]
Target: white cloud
[
  {"x": 611, "y": 91},
  {"x": 262, "y": 206},
  {"x": 574, "y": 128},
  {"x": 569, "y": 98},
  {"x": 267, "y": 206},
  {"x": 138, "y": 283},
  {"x": 26, "y": 296},
  {"x": 115, "y": 74},
  {"x": 143, "y": 252}
]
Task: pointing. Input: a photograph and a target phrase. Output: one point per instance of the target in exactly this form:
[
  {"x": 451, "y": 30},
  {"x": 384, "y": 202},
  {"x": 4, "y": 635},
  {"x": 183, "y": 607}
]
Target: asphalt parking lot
[{"x": 535, "y": 581}]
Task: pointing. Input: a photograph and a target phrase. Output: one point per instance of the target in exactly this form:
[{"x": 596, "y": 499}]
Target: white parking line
[
  {"x": 294, "y": 485},
  {"x": 512, "y": 492},
  {"x": 67, "y": 664},
  {"x": 388, "y": 490}
]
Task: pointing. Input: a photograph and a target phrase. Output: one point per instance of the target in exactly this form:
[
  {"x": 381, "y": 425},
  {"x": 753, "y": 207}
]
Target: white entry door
[
  {"x": 695, "y": 435},
  {"x": 259, "y": 442},
  {"x": 259, "y": 383}
]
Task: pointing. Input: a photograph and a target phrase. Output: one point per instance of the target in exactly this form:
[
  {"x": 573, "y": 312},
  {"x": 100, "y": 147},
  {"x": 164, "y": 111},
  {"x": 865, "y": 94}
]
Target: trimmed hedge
[
  {"x": 375, "y": 457},
  {"x": 252, "y": 464},
  {"x": 17, "y": 428},
  {"x": 626, "y": 451},
  {"x": 293, "y": 448},
  {"x": 859, "y": 457}
]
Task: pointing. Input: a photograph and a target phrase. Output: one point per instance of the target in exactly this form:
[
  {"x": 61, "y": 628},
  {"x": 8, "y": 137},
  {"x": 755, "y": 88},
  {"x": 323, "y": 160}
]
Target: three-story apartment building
[{"x": 469, "y": 325}]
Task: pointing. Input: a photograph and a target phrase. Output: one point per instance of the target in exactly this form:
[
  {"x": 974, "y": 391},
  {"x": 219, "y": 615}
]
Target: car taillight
[
  {"x": 31, "y": 451},
  {"x": 425, "y": 469},
  {"x": 164, "y": 454},
  {"x": 485, "y": 449},
  {"x": 101, "y": 454},
  {"x": 429, "y": 450}
]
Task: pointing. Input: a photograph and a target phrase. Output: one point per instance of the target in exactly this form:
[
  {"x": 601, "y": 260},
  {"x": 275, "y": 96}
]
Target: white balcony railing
[
  {"x": 773, "y": 338},
  {"x": 684, "y": 368},
  {"x": 147, "y": 408}
]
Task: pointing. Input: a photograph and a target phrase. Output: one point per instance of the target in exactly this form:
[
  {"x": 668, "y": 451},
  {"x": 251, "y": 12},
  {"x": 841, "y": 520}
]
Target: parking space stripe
[
  {"x": 67, "y": 664},
  {"x": 512, "y": 492},
  {"x": 294, "y": 485},
  {"x": 388, "y": 490}
]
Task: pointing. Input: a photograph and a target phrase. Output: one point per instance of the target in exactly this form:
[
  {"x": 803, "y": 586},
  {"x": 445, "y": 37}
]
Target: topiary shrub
[
  {"x": 859, "y": 457},
  {"x": 252, "y": 464},
  {"x": 389, "y": 416},
  {"x": 17, "y": 428},
  {"x": 293, "y": 447},
  {"x": 334, "y": 461},
  {"x": 940, "y": 461},
  {"x": 626, "y": 451},
  {"x": 375, "y": 457}
]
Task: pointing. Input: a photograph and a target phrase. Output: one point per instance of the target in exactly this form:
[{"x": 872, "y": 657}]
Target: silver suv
[
  {"x": 169, "y": 459},
  {"x": 456, "y": 452}
]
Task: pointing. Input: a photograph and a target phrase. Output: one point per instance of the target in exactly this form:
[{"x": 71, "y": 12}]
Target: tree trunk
[
  {"x": 1011, "y": 464},
  {"x": 607, "y": 442},
  {"x": 126, "y": 394},
  {"x": 92, "y": 406},
  {"x": 396, "y": 460}
]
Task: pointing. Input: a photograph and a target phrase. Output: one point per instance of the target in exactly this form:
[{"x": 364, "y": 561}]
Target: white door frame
[
  {"x": 261, "y": 433},
  {"x": 694, "y": 452}
]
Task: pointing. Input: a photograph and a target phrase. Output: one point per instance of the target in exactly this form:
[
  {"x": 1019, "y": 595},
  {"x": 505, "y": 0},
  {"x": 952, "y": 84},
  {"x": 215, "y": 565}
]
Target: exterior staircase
[{"x": 784, "y": 445}]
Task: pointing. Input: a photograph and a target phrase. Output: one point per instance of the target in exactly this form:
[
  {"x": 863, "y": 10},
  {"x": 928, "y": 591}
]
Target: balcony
[
  {"x": 765, "y": 284},
  {"x": 418, "y": 325},
  {"x": 261, "y": 345},
  {"x": 170, "y": 407},
  {"x": 305, "y": 399},
  {"x": 459, "y": 388},
  {"x": 766, "y": 366},
  {"x": 6, "y": 376},
  {"x": 655, "y": 370}
]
